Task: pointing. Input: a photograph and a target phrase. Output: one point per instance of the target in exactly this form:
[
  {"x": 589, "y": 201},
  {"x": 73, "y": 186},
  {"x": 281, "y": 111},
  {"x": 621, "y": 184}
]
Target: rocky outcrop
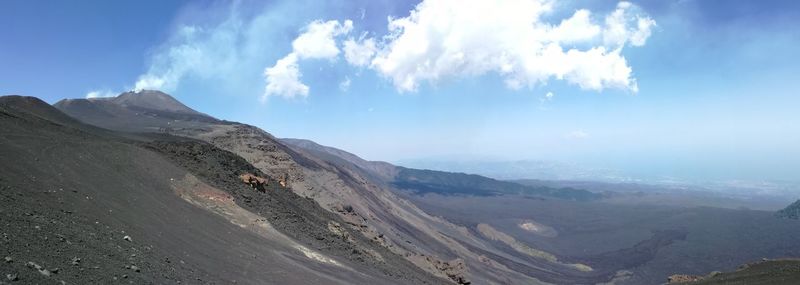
[
  {"x": 256, "y": 182},
  {"x": 683, "y": 278},
  {"x": 455, "y": 269}
]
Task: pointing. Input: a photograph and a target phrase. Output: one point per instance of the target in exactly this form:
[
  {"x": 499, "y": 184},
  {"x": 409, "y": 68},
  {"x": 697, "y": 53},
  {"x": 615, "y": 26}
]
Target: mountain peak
[
  {"x": 153, "y": 100},
  {"x": 135, "y": 111}
]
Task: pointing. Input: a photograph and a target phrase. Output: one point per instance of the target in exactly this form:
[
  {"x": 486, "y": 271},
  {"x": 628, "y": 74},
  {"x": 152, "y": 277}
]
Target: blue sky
[{"x": 711, "y": 91}]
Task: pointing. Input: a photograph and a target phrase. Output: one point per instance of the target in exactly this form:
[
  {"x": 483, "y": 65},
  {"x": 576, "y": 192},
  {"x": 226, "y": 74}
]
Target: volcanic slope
[
  {"x": 83, "y": 205},
  {"x": 361, "y": 194},
  {"x": 361, "y": 198}
]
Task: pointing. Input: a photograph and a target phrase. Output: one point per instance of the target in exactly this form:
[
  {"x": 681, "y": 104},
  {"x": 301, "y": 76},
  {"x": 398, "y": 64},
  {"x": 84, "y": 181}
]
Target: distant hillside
[
  {"x": 440, "y": 182},
  {"x": 383, "y": 170},
  {"x": 790, "y": 212},
  {"x": 772, "y": 272}
]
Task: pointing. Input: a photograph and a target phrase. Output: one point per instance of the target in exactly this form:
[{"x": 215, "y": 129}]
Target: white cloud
[
  {"x": 642, "y": 32},
  {"x": 438, "y": 40},
  {"x": 461, "y": 38},
  {"x": 316, "y": 42},
  {"x": 100, "y": 94},
  {"x": 548, "y": 97},
  {"x": 578, "y": 135},
  {"x": 452, "y": 38},
  {"x": 345, "y": 84},
  {"x": 625, "y": 25},
  {"x": 360, "y": 52},
  {"x": 283, "y": 79},
  {"x": 577, "y": 28}
]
